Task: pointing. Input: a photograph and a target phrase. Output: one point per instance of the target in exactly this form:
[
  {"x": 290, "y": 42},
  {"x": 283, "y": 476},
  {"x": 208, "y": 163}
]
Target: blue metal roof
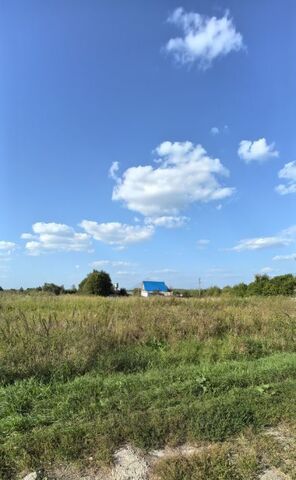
[{"x": 155, "y": 287}]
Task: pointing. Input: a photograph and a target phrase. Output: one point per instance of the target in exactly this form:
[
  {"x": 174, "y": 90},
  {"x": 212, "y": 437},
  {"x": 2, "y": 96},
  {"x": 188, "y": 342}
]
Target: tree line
[
  {"x": 262, "y": 285},
  {"x": 95, "y": 283},
  {"x": 99, "y": 283}
]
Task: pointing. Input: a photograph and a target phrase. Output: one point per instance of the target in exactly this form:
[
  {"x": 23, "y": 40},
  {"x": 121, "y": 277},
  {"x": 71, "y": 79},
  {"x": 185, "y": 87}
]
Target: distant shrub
[
  {"x": 97, "y": 283},
  {"x": 52, "y": 288}
]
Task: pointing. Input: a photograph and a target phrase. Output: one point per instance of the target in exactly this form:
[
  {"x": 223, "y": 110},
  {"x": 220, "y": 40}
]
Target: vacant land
[{"x": 82, "y": 377}]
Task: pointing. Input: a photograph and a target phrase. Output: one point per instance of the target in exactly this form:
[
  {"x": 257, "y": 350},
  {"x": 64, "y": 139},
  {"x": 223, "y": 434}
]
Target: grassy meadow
[{"x": 82, "y": 376}]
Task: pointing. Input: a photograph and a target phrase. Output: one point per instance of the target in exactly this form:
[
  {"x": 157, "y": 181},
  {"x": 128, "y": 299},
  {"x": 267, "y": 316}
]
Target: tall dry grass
[{"x": 45, "y": 336}]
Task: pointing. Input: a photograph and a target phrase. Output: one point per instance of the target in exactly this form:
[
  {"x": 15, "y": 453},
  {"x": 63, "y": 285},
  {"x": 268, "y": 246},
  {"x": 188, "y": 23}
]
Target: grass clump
[{"x": 213, "y": 464}]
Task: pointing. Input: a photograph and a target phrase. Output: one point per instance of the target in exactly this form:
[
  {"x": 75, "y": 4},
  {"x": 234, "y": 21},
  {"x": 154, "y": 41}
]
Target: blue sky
[{"x": 154, "y": 140}]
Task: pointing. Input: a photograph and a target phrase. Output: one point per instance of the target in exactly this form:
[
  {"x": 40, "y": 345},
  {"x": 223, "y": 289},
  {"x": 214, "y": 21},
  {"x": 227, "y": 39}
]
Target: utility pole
[{"x": 199, "y": 286}]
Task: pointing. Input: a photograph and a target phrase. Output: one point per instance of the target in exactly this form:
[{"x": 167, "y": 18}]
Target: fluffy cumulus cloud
[
  {"x": 258, "y": 150},
  {"x": 203, "y": 38},
  {"x": 287, "y": 173},
  {"x": 184, "y": 174},
  {"x": 115, "y": 233},
  {"x": 167, "y": 221},
  {"x": 55, "y": 237}
]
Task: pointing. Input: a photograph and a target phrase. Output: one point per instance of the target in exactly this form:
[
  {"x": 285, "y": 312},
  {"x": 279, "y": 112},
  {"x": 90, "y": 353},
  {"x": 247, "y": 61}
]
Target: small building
[{"x": 150, "y": 288}]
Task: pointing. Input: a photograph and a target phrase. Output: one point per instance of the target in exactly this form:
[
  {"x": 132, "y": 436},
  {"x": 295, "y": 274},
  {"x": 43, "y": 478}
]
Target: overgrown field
[{"x": 81, "y": 376}]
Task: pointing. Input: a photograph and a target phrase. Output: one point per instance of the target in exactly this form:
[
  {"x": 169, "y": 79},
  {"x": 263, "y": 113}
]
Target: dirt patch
[
  {"x": 184, "y": 450},
  {"x": 129, "y": 464},
  {"x": 274, "y": 474},
  {"x": 283, "y": 434}
]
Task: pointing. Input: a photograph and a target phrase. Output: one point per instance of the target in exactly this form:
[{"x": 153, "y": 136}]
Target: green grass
[
  {"x": 82, "y": 376},
  {"x": 213, "y": 464}
]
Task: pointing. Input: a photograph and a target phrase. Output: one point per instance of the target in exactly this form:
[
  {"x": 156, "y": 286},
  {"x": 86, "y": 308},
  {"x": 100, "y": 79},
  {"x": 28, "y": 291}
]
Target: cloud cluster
[
  {"x": 185, "y": 175},
  {"x": 55, "y": 237},
  {"x": 204, "y": 38},
  {"x": 288, "y": 173},
  {"x": 115, "y": 233},
  {"x": 258, "y": 150}
]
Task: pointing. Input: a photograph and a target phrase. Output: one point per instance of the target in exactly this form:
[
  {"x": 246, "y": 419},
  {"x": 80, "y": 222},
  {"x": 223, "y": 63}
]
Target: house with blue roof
[{"x": 154, "y": 288}]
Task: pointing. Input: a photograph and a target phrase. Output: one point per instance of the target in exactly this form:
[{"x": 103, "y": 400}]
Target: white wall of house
[{"x": 146, "y": 294}]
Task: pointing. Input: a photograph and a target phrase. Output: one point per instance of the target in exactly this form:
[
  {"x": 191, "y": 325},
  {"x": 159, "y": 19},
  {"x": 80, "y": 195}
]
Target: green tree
[
  {"x": 52, "y": 288},
  {"x": 212, "y": 291},
  {"x": 284, "y": 284},
  {"x": 259, "y": 286},
  {"x": 96, "y": 283},
  {"x": 240, "y": 290},
  {"x": 122, "y": 292}
]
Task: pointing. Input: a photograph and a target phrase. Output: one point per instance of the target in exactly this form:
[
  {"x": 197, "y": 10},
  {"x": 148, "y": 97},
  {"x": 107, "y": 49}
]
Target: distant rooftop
[{"x": 155, "y": 286}]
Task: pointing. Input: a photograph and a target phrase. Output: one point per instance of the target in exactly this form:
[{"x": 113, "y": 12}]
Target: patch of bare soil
[
  {"x": 274, "y": 474},
  {"x": 130, "y": 463}
]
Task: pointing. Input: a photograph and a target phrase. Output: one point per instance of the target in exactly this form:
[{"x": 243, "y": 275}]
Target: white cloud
[
  {"x": 204, "y": 38},
  {"x": 99, "y": 263},
  {"x": 202, "y": 243},
  {"x": 163, "y": 270},
  {"x": 284, "y": 238},
  {"x": 6, "y": 248},
  {"x": 286, "y": 189},
  {"x": 185, "y": 175},
  {"x": 28, "y": 236},
  {"x": 113, "y": 170},
  {"x": 266, "y": 270},
  {"x": 111, "y": 263},
  {"x": 167, "y": 221},
  {"x": 115, "y": 233},
  {"x": 52, "y": 228},
  {"x": 288, "y": 173},
  {"x": 260, "y": 243},
  {"x": 126, "y": 272},
  {"x": 215, "y": 131},
  {"x": 55, "y": 237},
  {"x": 258, "y": 150},
  {"x": 291, "y": 256}
]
